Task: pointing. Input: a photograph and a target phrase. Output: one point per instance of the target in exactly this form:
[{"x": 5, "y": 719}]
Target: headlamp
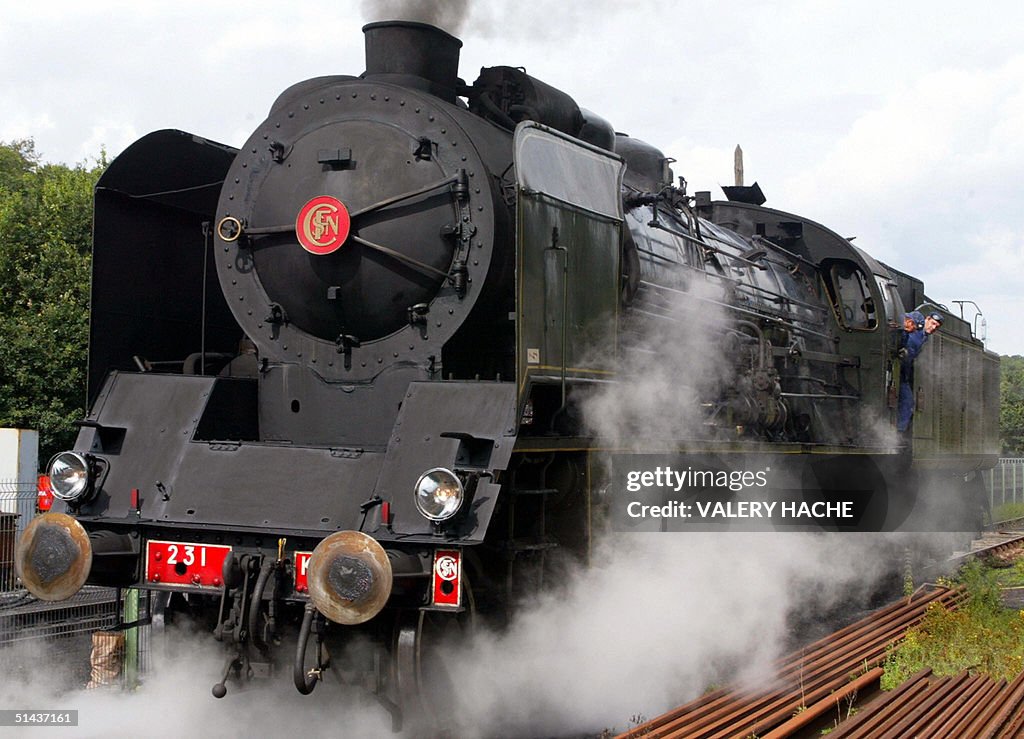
[
  {"x": 70, "y": 476},
  {"x": 439, "y": 494}
]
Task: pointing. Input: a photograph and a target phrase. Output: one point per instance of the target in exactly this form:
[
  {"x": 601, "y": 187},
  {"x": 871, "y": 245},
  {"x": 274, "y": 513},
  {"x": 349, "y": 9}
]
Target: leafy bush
[
  {"x": 981, "y": 636},
  {"x": 45, "y": 254}
]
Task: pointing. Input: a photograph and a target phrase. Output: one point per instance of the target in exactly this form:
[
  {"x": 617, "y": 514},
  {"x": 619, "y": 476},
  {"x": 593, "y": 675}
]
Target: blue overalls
[{"x": 913, "y": 342}]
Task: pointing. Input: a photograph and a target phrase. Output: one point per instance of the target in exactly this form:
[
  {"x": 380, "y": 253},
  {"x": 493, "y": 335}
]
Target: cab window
[
  {"x": 851, "y": 297},
  {"x": 887, "y": 289}
]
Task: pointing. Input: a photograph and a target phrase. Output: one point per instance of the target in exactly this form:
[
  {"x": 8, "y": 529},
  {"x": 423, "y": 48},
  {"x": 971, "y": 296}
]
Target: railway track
[
  {"x": 1010, "y": 524},
  {"x": 992, "y": 544},
  {"x": 997, "y": 541}
]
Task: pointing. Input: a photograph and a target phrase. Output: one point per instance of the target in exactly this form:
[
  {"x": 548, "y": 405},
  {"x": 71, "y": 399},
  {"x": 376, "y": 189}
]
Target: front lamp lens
[
  {"x": 439, "y": 494},
  {"x": 69, "y": 476}
]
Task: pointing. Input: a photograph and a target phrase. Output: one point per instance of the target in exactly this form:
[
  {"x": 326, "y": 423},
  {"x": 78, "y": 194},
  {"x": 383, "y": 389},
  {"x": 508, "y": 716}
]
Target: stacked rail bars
[
  {"x": 953, "y": 707},
  {"x": 809, "y": 684}
]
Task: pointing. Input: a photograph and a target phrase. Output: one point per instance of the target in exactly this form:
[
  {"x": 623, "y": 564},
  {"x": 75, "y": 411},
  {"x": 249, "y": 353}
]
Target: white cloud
[
  {"x": 24, "y": 126},
  {"x": 990, "y": 272}
]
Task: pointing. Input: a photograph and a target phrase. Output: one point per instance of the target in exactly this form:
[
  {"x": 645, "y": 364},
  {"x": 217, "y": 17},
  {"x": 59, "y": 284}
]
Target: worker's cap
[
  {"x": 916, "y": 317},
  {"x": 936, "y": 317}
]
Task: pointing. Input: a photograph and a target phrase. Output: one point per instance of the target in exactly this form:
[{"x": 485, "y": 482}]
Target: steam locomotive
[{"x": 338, "y": 378}]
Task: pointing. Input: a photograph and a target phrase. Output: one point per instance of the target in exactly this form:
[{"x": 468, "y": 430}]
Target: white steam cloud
[
  {"x": 656, "y": 621},
  {"x": 671, "y": 358},
  {"x": 175, "y": 700}
]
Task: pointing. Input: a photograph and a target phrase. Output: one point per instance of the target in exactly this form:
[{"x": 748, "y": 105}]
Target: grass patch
[
  {"x": 981, "y": 636},
  {"x": 1006, "y": 511},
  {"x": 1010, "y": 577}
]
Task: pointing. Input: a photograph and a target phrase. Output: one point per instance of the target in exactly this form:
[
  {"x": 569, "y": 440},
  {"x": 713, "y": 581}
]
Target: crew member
[
  {"x": 932, "y": 323},
  {"x": 916, "y": 330}
]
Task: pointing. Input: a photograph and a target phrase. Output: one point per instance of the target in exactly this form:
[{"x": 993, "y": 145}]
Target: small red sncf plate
[
  {"x": 322, "y": 225},
  {"x": 180, "y": 563},
  {"x": 447, "y": 578},
  {"x": 301, "y": 567}
]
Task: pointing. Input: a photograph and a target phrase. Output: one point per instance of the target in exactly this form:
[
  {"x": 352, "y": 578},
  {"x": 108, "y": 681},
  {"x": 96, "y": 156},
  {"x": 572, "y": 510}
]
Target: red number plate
[
  {"x": 180, "y": 563},
  {"x": 301, "y": 565}
]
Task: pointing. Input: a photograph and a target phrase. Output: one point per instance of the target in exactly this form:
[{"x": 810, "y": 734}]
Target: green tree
[
  {"x": 1011, "y": 405},
  {"x": 45, "y": 252}
]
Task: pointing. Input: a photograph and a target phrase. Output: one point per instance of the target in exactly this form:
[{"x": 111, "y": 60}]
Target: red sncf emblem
[
  {"x": 447, "y": 577},
  {"x": 323, "y": 225}
]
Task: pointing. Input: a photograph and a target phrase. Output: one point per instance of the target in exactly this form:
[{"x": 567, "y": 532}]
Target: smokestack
[{"x": 414, "y": 55}]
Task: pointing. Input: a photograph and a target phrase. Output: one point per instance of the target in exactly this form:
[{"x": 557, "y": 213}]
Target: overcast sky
[{"x": 899, "y": 123}]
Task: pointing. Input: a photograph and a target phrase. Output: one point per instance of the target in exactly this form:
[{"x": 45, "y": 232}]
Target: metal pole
[
  {"x": 131, "y": 640},
  {"x": 1002, "y": 469}
]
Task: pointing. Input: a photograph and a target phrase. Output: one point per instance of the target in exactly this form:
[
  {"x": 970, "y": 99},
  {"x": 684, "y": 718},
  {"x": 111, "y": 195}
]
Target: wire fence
[
  {"x": 74, "y": 641},
  {"x": 17, "y": 507},
  {"x": 1005, "y": 482}
]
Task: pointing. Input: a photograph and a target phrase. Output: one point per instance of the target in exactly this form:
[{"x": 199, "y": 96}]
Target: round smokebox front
[{"x": 356, "y": 211}]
